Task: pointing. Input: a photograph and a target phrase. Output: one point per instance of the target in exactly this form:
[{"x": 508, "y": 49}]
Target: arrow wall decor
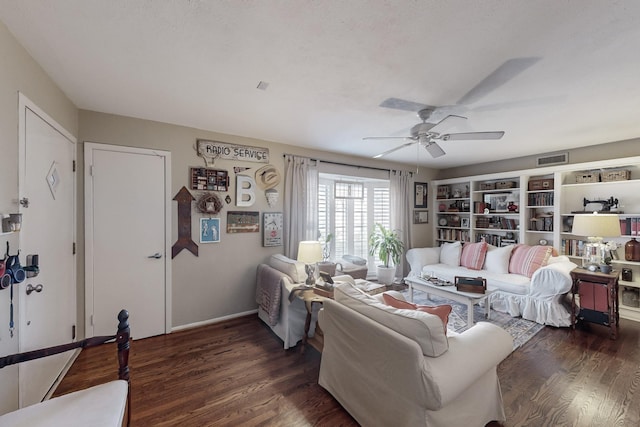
[{"x": 184, "y": 199}]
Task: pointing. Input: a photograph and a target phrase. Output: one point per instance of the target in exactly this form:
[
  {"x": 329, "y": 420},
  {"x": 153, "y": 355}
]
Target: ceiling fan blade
[
  {"x": 434, "y": 149},
  {"x": 452, "y": 121},
  {"x": 386, "y": 137},
  {"x": 393, "y": 149},
  {"x": 471, "y": 135},
  {"x": 497, "y": 78},
  {"x": 401, "y": 104}
]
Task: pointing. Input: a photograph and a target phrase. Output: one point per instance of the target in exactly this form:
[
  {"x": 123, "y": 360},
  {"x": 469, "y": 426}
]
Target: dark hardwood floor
[{"x": 236, "y": 373}]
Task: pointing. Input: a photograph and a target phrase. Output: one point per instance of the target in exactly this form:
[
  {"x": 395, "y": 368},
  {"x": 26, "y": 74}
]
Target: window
[{"x": 351, "y": 220}]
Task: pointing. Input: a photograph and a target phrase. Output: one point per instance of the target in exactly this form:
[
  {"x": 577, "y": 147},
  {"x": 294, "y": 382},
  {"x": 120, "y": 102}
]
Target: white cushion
[
  {"x": 450, "y": 253},
  {"x": 497, "y": 259},
  {"x": 102, "y": 405},
  {"x": 426, "y": 329},
  {"x": 290, "y": 267}
]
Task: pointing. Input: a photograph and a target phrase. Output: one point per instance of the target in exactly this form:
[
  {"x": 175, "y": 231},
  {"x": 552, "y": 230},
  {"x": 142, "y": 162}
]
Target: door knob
[
  {"x": 31, "y": 288},
  {"x": 157, "y": 255}
]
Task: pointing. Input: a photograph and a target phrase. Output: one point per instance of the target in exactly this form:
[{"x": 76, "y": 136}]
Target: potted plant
[{"x": 387, "y": 244}]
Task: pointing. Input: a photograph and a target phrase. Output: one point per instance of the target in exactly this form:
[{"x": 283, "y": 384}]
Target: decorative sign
[
  {"x": 184, "y": 199},
  {"x": 245, "y": 191},
  {"x": 211, "y": 150},
  {"x": 243, "y": 222},
  {"x": 272, "y": 225}
]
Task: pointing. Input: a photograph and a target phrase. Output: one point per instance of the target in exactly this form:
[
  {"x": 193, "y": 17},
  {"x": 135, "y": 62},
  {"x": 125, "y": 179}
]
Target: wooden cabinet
[{"x": 598, "y": 293}]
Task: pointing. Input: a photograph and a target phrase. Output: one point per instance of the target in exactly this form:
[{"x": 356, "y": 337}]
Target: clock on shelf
[
  {"x": 272, "y": 225},
  {"x": 442, "y": 221}
]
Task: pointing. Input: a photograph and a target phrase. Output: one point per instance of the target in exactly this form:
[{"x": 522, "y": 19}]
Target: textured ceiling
[{"x": 329, "y": 64}]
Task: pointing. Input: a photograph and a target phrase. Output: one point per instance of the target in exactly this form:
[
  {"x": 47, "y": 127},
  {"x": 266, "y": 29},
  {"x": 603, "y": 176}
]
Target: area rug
[{"x": 520, "y": 329}]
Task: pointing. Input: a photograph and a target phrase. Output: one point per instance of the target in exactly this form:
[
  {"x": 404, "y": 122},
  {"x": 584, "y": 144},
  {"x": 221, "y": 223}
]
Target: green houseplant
[{"x": 389, "y": 247}]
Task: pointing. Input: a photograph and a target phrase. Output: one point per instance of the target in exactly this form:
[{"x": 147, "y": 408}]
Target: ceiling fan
[{"x": 423, "y": 134}]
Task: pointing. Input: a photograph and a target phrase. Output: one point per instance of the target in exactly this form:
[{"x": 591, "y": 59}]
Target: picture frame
[
  {"x": 243, "y": 222},
  {"x": 464, "y": 222},
  {"x": 497, "y": 201},
  {"x": 420, "y": 194},
  {"x": 209, "y": 230},
  {"x": 420, "y": 216}
]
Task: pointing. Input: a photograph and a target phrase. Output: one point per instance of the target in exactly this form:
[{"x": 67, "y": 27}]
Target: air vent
[{"x": 554, "y": 159}]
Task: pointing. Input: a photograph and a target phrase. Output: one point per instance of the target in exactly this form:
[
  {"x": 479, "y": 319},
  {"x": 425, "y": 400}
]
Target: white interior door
[
  {"x": 47, "y": 181},
  {"x": 127, "y": 238}
]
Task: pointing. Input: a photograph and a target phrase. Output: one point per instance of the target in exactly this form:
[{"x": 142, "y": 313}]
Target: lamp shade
[
  {"x": 596, "y": 225},
  {"x": 310, "y": 251}
]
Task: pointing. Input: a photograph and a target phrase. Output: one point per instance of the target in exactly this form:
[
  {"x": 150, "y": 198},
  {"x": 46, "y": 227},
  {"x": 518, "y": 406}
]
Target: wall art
[
  {"x": 272, "y": 226},
  {"x": 243, "y": 222},
  {"x": 420, "y": 194},
  {"x": 209, "y": 230},
  {"x": 212, "y": 150},
  {"x": 420, "y": 217}
]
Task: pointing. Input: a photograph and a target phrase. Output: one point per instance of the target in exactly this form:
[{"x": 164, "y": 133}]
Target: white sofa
[
  {"x": 537, "y": 297},
  {"x": 389, "y": 366}
]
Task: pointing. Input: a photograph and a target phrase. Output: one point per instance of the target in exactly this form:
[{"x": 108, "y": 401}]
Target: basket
[
  {"x": 501, "y": 185},
  {"x": 615, "y": 175},
  {"x": 541, "y": 184},
  {"x": 588, "y": 176},
  {"x": 487, "y": 186}
]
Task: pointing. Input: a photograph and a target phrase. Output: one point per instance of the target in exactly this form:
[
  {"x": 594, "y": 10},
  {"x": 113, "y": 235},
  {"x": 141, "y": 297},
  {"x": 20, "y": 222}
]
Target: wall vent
[{"x": 554, "y": 159}]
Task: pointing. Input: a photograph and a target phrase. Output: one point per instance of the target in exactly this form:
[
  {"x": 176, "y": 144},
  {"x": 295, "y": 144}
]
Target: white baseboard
[{"x": 211, "y": 321}]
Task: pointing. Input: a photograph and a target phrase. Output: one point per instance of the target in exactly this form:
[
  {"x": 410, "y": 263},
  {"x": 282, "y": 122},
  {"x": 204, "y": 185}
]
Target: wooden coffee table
[{"x": 450, "y": 292}]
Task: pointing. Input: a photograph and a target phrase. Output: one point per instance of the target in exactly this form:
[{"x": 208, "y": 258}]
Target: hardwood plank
[{"x": 236, "y": 373}]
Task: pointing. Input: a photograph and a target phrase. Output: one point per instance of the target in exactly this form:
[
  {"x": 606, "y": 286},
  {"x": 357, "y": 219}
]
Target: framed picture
[
  {"x": 497, "y": 201},
  {"x": 420, "y": 194},
  {"x": 243, "y": 222},
  {"x": 464, "y": 222},
  {"x": 209, "y": 230},
  {"x": 420, "y": 217},
  {"x": 272, "y": 224}
]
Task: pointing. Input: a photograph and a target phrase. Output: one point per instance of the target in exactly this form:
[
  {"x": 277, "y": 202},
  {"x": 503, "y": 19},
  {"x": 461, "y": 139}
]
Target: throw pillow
[
  {"x": 473, "y": 255},
  {"x": 442, "y": 311},
  {"x": 450, "y": 253},
  {"x": 497, "y": 259},
  {"x": 526, "y": 259}
]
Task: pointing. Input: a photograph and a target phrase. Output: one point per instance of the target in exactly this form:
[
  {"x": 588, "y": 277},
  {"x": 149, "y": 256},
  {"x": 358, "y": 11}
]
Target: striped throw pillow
[
  {"x": 526, "y": 259},
  {"x": 473, "y": 255}
]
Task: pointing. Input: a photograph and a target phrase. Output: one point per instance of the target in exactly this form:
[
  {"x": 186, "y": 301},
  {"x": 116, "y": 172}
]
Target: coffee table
[{"x": 450, "y": 292}]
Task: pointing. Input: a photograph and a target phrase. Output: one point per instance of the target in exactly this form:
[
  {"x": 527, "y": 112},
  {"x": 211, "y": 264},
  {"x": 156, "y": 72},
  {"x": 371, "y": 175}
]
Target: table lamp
[
  {"x": 595, "y": 227},
  {"x": 310, "y": 252}
]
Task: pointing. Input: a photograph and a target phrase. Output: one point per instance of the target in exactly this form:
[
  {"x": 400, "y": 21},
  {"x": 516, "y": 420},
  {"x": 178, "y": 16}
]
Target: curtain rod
[{"x": 346, "y": 164}]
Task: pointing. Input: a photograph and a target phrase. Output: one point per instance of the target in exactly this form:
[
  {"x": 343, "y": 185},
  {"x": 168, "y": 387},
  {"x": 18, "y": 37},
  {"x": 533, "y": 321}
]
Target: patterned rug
[{"x": 520, "y": 329}]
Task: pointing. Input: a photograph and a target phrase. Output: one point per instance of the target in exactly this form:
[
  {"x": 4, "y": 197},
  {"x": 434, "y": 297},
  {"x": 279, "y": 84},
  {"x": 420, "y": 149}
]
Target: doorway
[
  {"x": 127, "y": 235},
  {"x": 46, "y": 188}
]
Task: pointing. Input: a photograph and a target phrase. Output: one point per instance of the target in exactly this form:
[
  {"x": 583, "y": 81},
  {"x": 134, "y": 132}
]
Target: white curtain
[
  {"x": 300, "y": 202},
  {"x": 401, "y": 199}
]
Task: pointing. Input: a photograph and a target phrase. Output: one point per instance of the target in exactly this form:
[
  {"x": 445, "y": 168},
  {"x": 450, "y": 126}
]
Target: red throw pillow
[
  {"x": 473, "y": 255},
  {"x": 442, "y": 311}
]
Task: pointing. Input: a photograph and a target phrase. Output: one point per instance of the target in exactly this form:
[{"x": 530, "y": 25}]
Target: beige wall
[
  {"x": 606, "y": 151},
  {"x": 19, "y": 73},
  {"x": 221, "y": 280}
]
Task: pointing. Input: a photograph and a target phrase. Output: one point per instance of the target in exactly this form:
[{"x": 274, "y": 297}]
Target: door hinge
[
  {"x": 73, "y": 332},
  {"x": 74, "y": 166},
  {"x": 73, "y": 251}
]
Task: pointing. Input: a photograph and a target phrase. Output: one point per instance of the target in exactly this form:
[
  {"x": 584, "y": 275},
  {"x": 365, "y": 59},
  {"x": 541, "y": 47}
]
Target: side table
[
  {"x": 310, "y": 298},
  {"x": 598, "y": 298}
]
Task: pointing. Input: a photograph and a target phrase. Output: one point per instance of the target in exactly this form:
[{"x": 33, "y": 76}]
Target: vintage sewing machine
[{"x": 606, "y": 205}]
